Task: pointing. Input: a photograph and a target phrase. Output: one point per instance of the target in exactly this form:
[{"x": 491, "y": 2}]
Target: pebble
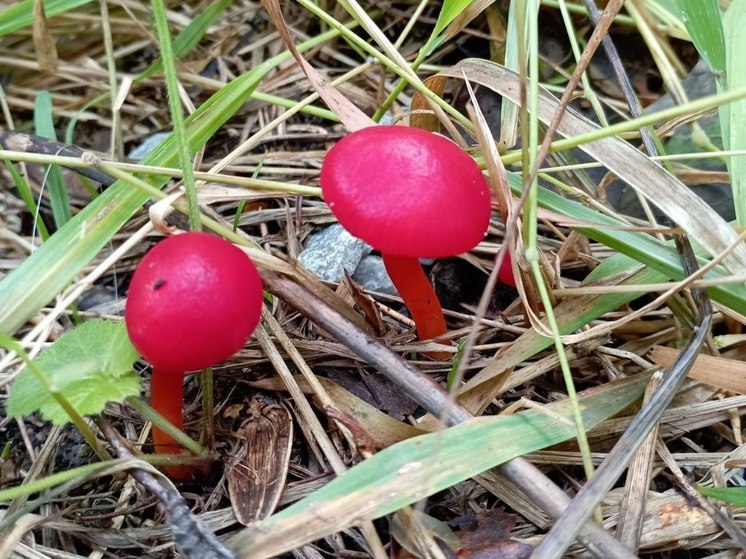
[{"x": 331, "y": 252}]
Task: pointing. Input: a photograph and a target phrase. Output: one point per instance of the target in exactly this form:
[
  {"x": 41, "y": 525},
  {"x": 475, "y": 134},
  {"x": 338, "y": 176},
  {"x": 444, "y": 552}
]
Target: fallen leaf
[
  {"x": 257, "y": 480},
  {"x": 720, "y": 372}
]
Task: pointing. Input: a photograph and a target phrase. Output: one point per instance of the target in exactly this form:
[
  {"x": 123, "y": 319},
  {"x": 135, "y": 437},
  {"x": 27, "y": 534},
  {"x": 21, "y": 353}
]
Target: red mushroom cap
[
  {"x": 193, "y": 301},
  {"x": 406, "y": 191}
]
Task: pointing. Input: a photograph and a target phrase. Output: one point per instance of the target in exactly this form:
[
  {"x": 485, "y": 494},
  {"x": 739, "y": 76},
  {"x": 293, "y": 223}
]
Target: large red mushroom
[
  {"x": 410, "y": 194},
  {"x": 193, "y": 301}
]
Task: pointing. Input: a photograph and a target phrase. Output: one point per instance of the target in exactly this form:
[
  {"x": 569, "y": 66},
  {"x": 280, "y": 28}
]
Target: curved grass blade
[{"x": 43, "y": 120}]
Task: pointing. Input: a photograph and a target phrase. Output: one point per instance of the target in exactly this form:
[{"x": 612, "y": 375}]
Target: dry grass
[{"x": 698, "y": 440}]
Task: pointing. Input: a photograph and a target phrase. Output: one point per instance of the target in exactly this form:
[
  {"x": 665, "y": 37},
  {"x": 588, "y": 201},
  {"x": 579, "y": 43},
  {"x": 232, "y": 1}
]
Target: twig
[{"x": 28, "y": 143}]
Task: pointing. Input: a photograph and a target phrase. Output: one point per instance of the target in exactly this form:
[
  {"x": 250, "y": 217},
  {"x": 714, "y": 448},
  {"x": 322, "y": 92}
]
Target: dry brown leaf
[
  {"x": 44, "y": 45},
  {"x": 366, "y": 304},
  {"x": 487, "y": 535},
  {"x": 721, "y": 372},
  {"x": 257, "y": 480},
  {"x": 669, "y": 519}
]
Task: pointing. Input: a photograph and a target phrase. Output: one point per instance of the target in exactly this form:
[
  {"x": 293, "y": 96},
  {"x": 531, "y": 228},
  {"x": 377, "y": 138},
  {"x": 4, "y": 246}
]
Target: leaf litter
[{"x": 701, "y": 430}]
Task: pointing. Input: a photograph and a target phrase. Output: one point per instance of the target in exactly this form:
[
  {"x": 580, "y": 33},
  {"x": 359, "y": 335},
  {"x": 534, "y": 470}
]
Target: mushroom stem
[
  {"x": 419, "y": 296},
  {"x": 166, "y": 397}
]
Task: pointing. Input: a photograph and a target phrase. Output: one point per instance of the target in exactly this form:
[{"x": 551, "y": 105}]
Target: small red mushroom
[
  {"x": 193, "y": 301},
  {"x": 409, "y": 193}
]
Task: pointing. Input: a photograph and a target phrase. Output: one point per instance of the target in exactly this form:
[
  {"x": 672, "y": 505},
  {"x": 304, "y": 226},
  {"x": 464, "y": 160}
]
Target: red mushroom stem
[
  {"x": 166, "y": 397},
  {"x": 419, "y": 296}
]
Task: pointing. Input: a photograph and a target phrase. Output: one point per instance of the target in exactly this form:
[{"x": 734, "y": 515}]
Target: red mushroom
[
  {"x": 409, "y": 193},
  {"x": 505, "y": 273},
  {"x": 193, "y": 301}
]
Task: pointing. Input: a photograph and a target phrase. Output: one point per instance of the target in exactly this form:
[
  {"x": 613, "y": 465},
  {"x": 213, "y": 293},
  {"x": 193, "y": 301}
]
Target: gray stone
[
  {"x": 331, "y": 251},
  {"x": 371, "y": 274}
]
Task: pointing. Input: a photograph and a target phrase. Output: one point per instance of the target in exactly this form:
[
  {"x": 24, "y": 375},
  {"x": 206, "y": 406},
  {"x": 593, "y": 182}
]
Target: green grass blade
[
  {"x": 516, "y": 43},
  {"x": 732, "y": 495},
  {"x": 703, "y": 21},
  {"x": 641, "y": 247},
  {"x": 450, "y": 10},
  {"x": 66, "y": 476},
  {"x": 53, "y": 179},
  {"x": 190, "y": 36},
  {"x": 177, "y": 111},
  {"x": 732, "y": 116},
  {"x": 421, "y": 466},
  {"x": 24, "y": 190},
  {"x": 63, "y": 482},
  {"x": 21, "y": 15}
]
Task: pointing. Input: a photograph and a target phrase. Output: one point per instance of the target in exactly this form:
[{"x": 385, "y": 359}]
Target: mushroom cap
[
  {"x": 406, "y": 191},
  {"x": 193, "y": 301}
]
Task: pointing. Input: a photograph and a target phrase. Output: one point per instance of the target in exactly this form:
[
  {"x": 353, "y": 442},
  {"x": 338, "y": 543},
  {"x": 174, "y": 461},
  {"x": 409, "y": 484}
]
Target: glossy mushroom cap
[
  {"x": 193, "y": 302},
  {"x": 406, "y": 192}
]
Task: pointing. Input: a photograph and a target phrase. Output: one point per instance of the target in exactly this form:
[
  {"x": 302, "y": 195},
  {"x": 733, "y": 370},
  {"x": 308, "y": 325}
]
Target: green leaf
[
  {"x": 450, "y": 11},
  {"x": 703, "y": 21},
  {"x": 733, "y": 495},
  {"x": 44, "y": 124},
  {"x": 413, "y": 469},
  {"x": 732, "y": 115},
  {"x": 89, "y": 366}
]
